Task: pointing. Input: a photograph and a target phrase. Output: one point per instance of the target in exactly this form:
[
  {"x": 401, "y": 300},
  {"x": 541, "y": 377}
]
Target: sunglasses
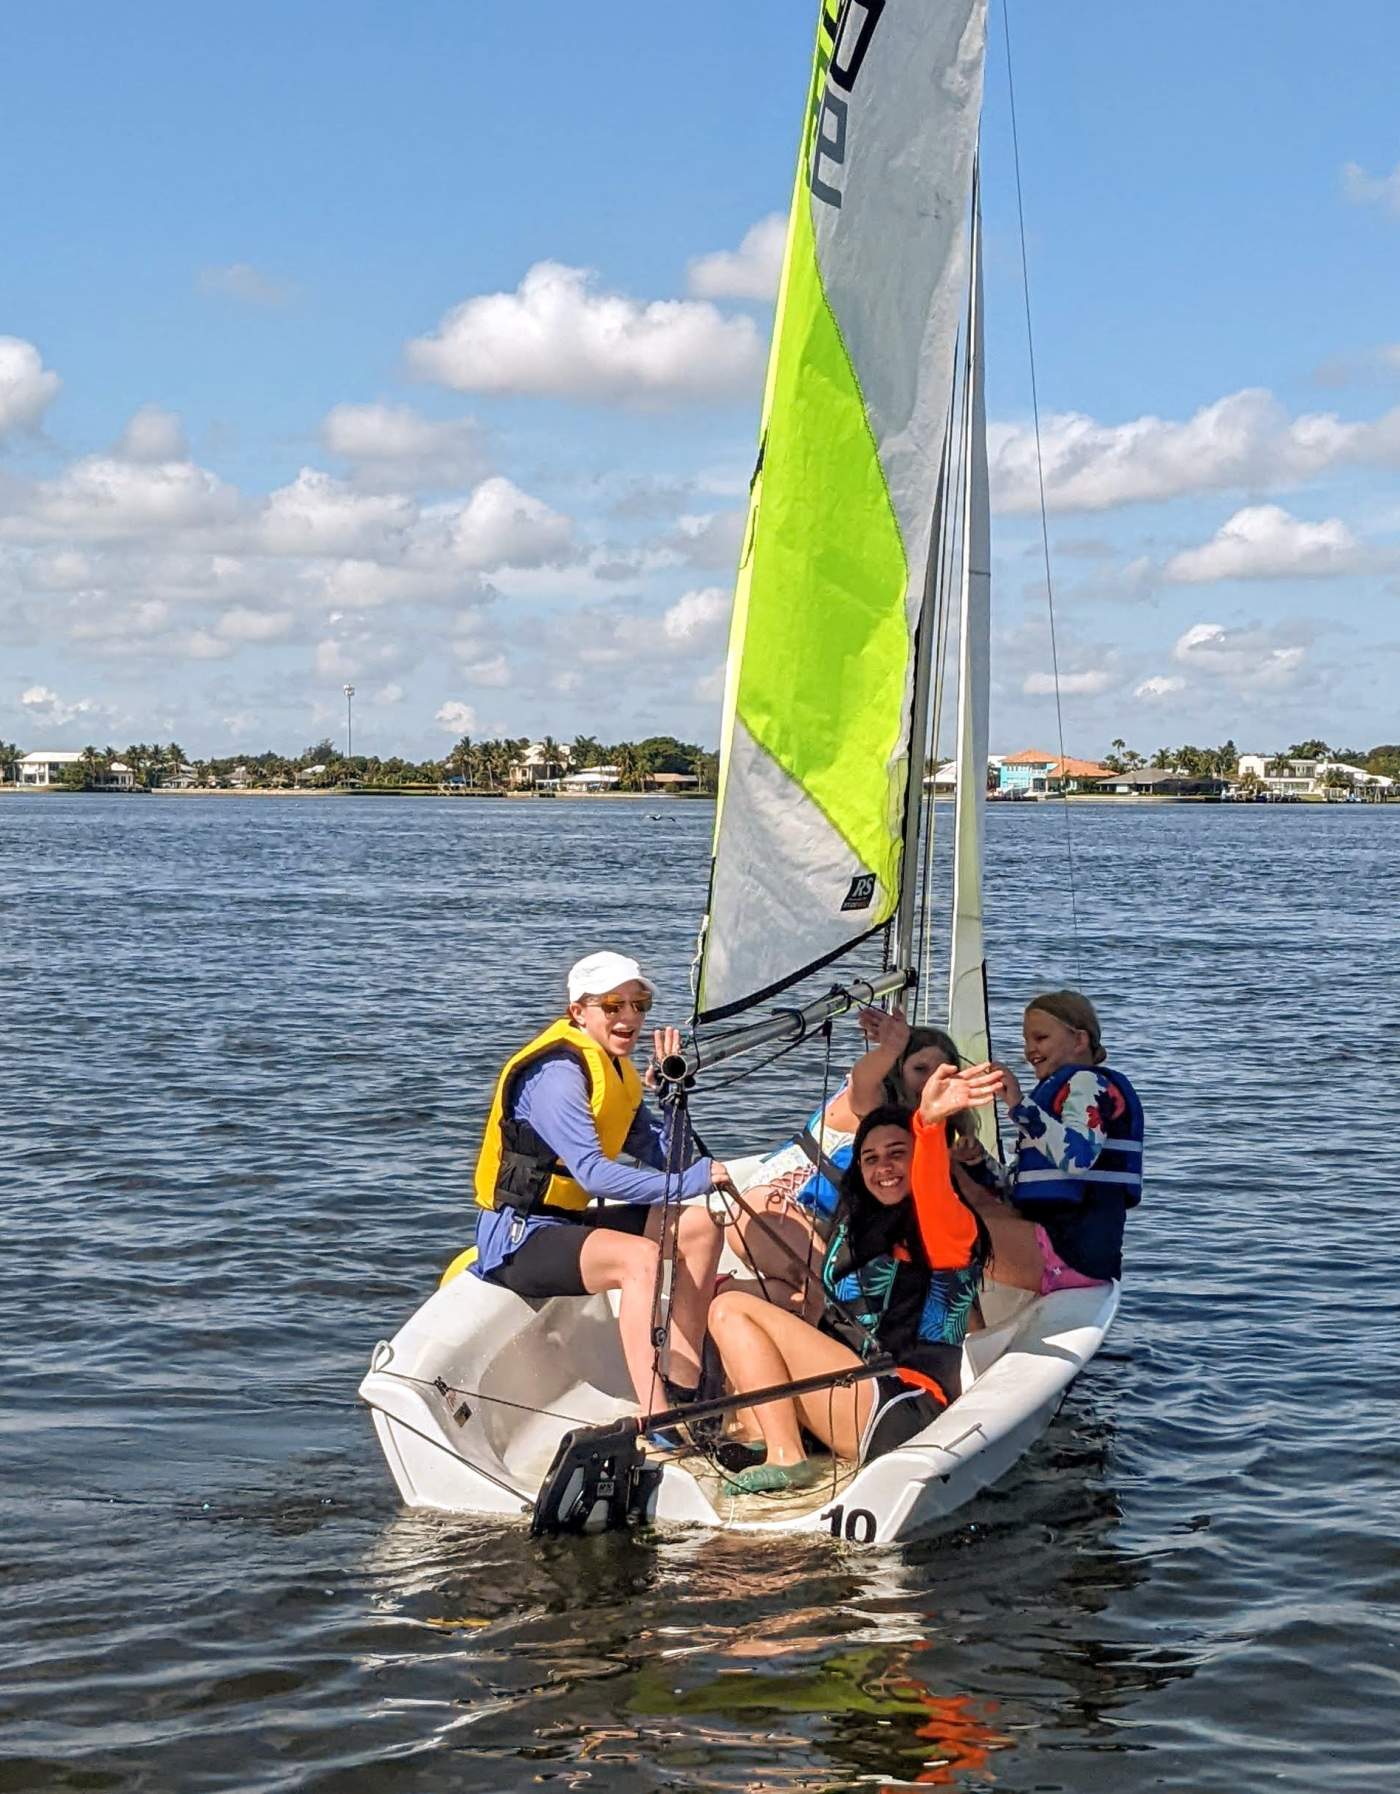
[{"x": 612, "y": 1006}]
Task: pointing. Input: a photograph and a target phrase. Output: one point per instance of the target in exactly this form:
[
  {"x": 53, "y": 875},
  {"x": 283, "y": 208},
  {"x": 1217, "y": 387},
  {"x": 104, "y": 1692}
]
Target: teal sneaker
[{"x": 773, "y": 1479}]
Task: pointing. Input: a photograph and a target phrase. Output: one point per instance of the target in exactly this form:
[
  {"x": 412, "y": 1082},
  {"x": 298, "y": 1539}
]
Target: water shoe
[{"x": 774, "y": 1479}]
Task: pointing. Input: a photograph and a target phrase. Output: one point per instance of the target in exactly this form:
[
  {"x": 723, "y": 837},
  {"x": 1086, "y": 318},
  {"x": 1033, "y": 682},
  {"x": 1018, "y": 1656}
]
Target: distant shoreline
[{"x": 299, "y": 791}]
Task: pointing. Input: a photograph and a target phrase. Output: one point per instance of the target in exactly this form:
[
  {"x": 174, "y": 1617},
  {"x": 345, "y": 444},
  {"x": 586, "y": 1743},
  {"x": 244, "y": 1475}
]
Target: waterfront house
[
  {"x": 1332, "y": 779},
  {"x": 672, "y": 781},
  {"x": 1150, "y": 781},
  {"x": 536, "y": 767},
  {"x": 48, "y": 766},
  {"x": 942, "y": 780},
  {"x": 591, "y": 779},
  {"x": 1033, "y": 773}
]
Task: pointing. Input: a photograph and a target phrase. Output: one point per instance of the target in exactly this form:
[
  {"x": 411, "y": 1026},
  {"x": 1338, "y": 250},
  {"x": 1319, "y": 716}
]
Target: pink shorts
[{"x": 1056, "y": 1274}]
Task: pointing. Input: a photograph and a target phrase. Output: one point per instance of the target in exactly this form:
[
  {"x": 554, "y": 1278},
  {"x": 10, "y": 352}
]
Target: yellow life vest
[{"x": 614, "y": 1096}]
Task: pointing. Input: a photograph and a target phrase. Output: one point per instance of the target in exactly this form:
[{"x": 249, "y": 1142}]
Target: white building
[
  {"x": 592, "y": 778},
  {"x": 46, "y": 766},
  {"x": 534, "y": 767},
  {"x": 1310, "y": 778}
]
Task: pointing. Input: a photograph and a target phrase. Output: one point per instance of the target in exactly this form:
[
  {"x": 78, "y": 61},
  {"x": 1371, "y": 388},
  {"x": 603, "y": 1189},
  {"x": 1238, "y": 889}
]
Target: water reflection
[{"x": 666, "y": 1652}]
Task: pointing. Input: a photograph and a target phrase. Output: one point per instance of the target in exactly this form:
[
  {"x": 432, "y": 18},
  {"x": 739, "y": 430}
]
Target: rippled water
[{"x": 246, "y": 1049}]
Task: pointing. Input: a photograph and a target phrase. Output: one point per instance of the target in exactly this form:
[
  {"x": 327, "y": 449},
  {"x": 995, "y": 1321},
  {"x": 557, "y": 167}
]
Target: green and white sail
[{"x": 821, "y": 685}]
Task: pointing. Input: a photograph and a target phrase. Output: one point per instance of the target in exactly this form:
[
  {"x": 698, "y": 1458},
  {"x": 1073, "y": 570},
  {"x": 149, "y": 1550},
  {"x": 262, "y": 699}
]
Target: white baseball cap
[{"x": 599, "y": 973}]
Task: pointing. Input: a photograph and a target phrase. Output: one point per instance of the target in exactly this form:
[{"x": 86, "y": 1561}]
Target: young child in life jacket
[{"x": 1077, "y": 1167}]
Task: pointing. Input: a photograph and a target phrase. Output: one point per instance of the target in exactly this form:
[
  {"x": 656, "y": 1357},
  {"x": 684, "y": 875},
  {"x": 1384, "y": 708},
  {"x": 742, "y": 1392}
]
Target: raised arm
[
  {"x": 947, "y": 1227},
  {"x": 888, "y": 1035}
]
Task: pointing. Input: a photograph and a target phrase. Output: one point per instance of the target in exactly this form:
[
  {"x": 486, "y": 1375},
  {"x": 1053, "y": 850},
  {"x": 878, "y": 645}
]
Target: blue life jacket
[{"x": 1083, "y": 1210}]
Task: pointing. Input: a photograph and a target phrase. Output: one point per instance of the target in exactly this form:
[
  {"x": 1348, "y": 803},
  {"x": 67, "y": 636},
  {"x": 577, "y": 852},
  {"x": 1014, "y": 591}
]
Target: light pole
[{"x": 349, "y": 722}]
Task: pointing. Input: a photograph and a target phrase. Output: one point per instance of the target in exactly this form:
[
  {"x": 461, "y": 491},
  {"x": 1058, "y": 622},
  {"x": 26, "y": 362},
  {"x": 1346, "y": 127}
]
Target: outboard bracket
[{"x": 599, "y": 1481}]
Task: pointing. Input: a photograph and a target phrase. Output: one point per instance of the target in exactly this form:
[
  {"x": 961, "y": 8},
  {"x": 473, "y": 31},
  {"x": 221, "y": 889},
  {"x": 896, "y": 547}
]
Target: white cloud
[
  {"x": 246, "y": 284},
  {"x": 1160, "y": 685},
  {"x": 319, "y": 515},
  {"x": 27, "y": 387},
  {"x": 697, "y": 618},
  {"x": 478, "y": 669},
  {"x": 1265, "y": 542},
  {"x": 42, "y": 705},
  {"x": 1365, "y": 189},
  {"x": 709, "y": 687},
  {"x": 392, "y": 693},
  {"x": 1245, "y": 440},
  {"x": 712, "y": 539},
  {"x": 749, "y": 272},
  {"x": 501, "y": 526},
  {"x": 1244, "y": 658},
  {"x": 397, "y": 443},
  {"x": 354, "y": 655},
  {"x": 116, "y": 629},
  {"x": 1085, "y": 684},
  {"x": 154, "y": 435},
  {"x": 243, "y": 625},
  {"x": 457, "y": 718},
  {"x": 201, "y": 644},
  {"x": 557, "y": 337},
  {"x": 100, "y": 498}
]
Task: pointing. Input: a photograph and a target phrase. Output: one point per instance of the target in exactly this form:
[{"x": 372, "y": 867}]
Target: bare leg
[
  {"x": 776, "y": 1242},
  {"x": 698, "y": 1247},
  {"x": 761, "y": 1345},
  {"x": 1016, "y": 1257},
  {"x": 621, "y": 1261}
]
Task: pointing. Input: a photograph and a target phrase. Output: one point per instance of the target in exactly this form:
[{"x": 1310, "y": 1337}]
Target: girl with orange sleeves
[{"x": 906, "y": 1256}]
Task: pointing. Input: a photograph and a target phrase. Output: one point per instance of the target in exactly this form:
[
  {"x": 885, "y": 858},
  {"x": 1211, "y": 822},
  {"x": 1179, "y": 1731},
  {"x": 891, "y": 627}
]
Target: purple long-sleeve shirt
[{"x": 553, "y": 1097}]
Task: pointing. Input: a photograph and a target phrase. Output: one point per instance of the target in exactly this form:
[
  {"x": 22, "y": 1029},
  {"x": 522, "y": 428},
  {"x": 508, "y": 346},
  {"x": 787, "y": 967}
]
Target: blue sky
[{"x": 278, "y": 237}]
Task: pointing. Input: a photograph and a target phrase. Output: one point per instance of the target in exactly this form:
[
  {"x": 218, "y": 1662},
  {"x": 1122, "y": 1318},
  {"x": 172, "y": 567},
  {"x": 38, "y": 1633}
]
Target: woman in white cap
[{"x": 566, "y": 1105}]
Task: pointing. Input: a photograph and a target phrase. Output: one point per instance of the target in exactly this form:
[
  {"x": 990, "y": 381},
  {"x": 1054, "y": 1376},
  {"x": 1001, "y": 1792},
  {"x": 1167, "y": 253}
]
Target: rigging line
[
  {"x": 954, "y": 548},
  {"x": 668, "y": 1245},
  {"x": 1040, "y": 477},
  {"x": 479, "y": 1395},
  {"x": 927, "y": 814}
]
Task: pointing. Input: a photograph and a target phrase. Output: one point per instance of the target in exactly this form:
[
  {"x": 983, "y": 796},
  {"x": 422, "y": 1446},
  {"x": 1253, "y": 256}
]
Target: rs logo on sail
[{"x": 849, "y": 33}]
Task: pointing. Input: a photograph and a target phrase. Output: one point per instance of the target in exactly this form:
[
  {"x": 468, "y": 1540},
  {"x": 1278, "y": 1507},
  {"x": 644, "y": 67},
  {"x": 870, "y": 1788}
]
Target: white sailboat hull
[{"x": 518, "y": 1375}]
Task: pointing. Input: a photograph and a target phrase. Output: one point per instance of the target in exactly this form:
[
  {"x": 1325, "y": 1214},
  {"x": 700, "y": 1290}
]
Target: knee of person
[
  {"x": 639, "y": 1261},
  {"x": 721, "y": 1315},
  {"x": 698, "y": 1232}
]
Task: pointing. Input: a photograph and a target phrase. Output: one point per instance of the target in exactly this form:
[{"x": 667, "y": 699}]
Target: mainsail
[{"x": 823, "y": 674}]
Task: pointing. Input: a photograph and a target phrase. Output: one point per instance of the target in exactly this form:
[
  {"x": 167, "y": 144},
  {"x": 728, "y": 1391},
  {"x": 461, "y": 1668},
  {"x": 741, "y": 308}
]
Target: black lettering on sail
[
  {"x": 862, "y": 892},
  {"x": 829, "y": 146},
  {"x": 853, "y": 34}
]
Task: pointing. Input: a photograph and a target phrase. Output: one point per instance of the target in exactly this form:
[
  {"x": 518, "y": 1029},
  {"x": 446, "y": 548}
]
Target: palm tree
[
  {"x": 552, "y": 757},
  {"x": 585, "y": 752},
  {"x": 463, "y": 760},
  {"x": 9, "y": 763},
  {"x": 631, "y": 768},
  {"x": 1162, "y": 760}
]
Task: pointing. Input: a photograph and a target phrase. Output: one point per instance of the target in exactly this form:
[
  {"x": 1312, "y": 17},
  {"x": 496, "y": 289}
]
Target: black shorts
[
  {"x": 546, "y": 1262},
  {"x": 900, "y": 1411}
]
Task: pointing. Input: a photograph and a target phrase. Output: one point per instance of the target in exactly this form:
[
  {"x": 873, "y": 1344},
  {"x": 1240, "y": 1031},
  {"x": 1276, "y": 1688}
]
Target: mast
[
  {"x": 924, "y": 640},
  {"x": 967, "y": 980}
]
